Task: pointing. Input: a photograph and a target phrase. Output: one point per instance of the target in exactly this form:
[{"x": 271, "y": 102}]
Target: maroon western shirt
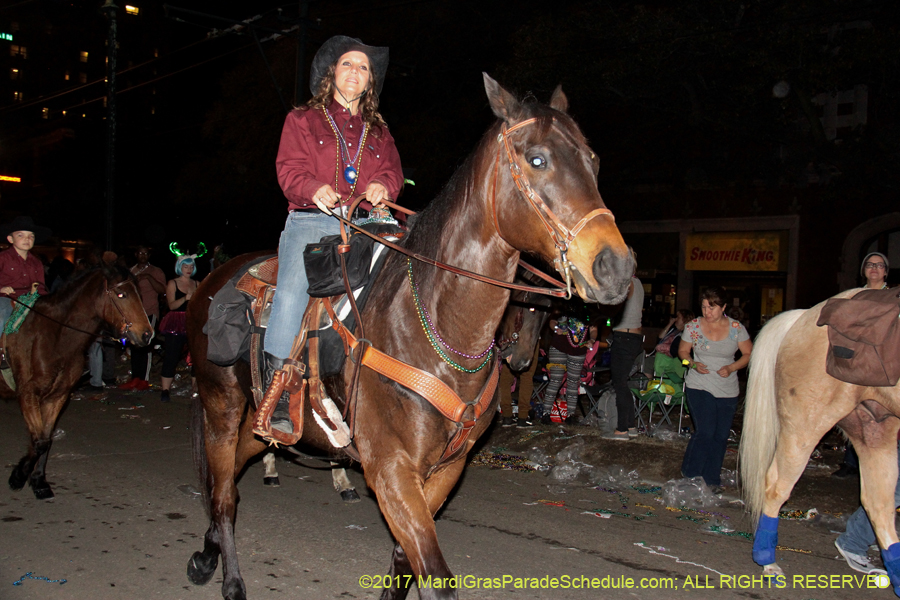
[
  {"x": 19, "y": 273},
  {"x": 307, "y": 156}
]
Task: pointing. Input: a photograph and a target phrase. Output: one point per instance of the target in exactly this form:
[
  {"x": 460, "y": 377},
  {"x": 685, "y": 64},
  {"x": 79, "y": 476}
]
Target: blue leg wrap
[
  {"x": 891, "y": 559},
  {"x": 765, "y": 540}
]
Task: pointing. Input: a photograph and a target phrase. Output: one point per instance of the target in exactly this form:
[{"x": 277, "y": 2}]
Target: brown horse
[
  {"x": 520, "y": 327},
  {"x": 530, "y": 186},
  {"x": 791, "y": 403},
  {"x": 46, "y": 355}
]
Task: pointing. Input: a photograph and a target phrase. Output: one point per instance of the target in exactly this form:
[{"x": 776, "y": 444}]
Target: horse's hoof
[
  {"x": 234, "y": 590},
  {"x": 349, "y": 496},
  {"x": 201, "y": 569},
  {"x": 43, "y": 492},
  {"x": 17, "y": 480},
  {"x": 273, "y": 481}
]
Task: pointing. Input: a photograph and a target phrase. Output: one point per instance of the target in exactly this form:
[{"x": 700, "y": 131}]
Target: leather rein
[
  {"x": 126, "y": 324},
  {"x": 561, "y": 235}
]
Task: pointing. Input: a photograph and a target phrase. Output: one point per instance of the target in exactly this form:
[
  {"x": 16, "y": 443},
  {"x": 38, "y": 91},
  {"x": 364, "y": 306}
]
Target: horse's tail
[
  {"x": 198, "y": 450},
  {"x": 761, "y": 426}
]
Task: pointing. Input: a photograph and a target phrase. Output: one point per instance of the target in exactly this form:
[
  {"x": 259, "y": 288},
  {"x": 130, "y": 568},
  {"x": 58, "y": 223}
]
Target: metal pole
[
  {"x": 299, "y": 79},
  {"x": 110, "y": 8},
  {"x": 269, "y": 69}
]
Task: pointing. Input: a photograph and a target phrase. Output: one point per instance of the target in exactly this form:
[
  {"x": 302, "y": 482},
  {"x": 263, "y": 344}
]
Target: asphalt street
[{"x": 126, "y": 519}]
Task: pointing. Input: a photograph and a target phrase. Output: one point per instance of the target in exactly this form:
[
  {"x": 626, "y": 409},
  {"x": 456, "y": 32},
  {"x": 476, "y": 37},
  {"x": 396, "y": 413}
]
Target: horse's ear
[
  {"x": 558, "y": 100},
  {"x": 504, "y": 104}
]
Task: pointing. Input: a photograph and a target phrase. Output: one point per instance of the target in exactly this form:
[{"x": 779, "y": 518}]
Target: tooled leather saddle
[{"x": 302, "y": 374}]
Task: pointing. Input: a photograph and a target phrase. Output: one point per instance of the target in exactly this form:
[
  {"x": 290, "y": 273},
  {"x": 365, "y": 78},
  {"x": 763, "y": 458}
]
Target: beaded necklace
[
  {"x": 433, "y": 336},
  {"x": 351, "y": 173},
  {"x": 576, "y": 332}
]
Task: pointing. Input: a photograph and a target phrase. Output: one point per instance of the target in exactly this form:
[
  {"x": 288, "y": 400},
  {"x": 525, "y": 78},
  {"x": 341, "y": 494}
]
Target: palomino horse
[
  {"x": 46, "y": 355},
  {"x": 791, "y": 403},
  {"x": 530, "y": 186}
]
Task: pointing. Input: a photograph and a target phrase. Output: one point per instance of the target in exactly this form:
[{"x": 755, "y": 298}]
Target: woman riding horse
[
  {"x": 530, "y": 186},
  {"x": 331, "y": 147}
]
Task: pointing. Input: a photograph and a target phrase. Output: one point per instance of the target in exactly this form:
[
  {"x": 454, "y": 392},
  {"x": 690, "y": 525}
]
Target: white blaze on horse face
[{"x": 351, "y": 75}]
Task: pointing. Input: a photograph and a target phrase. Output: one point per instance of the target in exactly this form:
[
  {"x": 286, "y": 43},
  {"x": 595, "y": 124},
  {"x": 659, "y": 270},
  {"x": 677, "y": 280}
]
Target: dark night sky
[{"x": 673, "y": 96}]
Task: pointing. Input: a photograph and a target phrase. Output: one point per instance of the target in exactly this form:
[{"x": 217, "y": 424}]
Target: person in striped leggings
[{"x": 572, "y": 338}]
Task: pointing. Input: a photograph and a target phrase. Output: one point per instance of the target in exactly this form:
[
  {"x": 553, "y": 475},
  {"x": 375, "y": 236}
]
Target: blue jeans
[
  {"x": 860, "y": 535},
  {"x": 712, "y": 419},
  {"x": 300, "y": 229},
  {"x": 95, "y": 358},
  {"x": 6, "y": 308}
]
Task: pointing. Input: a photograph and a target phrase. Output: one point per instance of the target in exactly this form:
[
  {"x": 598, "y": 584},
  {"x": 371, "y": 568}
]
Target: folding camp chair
[
  {"x": 665, "y": 391},
  {"x": 540, "y": 380},
  {"x": 594, "y": 390},
  {"x": 637, "y": 382}
]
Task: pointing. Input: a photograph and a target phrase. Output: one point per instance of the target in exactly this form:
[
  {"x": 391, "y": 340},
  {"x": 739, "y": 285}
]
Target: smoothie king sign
[{"x": 739, "y": 251}]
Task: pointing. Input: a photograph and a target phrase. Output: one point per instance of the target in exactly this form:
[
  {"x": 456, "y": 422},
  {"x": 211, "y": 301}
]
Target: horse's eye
[
  {"x": 537, "y": 161},
  {"x": 120, "y": 295}
]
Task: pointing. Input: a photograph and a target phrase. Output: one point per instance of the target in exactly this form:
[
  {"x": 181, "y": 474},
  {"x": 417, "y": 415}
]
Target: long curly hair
[{"x": 368, "y": 104}]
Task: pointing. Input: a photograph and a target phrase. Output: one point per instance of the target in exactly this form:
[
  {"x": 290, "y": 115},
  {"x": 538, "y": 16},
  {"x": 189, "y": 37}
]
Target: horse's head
[
  {"x": 121, "y": 308},
  {"x": 556, "y": 212},
  {"x": 520, "y": 328}
]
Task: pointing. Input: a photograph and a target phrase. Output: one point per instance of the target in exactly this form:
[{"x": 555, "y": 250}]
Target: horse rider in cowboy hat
[{"x": 333, "y": 148}]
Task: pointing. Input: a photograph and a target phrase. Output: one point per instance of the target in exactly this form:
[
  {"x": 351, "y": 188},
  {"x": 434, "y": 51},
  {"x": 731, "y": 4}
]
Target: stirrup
[{"x": 263, "y": 423}]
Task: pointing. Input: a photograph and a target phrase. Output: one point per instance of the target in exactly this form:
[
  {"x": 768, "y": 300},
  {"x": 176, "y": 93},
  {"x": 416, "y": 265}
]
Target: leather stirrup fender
[{"x": 262, "y": 425}]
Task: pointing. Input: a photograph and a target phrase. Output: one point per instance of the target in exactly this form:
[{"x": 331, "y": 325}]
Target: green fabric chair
[{"x": 665, "y": 391}]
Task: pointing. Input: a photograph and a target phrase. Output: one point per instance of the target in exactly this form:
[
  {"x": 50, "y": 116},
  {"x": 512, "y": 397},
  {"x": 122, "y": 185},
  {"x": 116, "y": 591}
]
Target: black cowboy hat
[
  {"x": 337, "y": 46},
  {"x": 22, "y": 223}
]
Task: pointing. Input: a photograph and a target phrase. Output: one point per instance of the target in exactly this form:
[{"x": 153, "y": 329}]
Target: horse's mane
[
  {"x": 427, "y": 232},
  {"x": 61, "y": 301}
]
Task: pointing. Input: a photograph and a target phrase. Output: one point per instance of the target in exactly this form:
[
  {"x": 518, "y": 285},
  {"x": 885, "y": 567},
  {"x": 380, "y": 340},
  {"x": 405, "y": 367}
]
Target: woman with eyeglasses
[
  {"x": 875, "y": 269},
  {"x": 854, "y": 543}
]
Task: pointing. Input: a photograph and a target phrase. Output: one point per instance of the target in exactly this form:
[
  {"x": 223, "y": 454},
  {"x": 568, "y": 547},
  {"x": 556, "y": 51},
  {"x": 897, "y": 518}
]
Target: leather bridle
[
  {"x": 561, "y": 235},
  {"x": 126, "y": 324},
  {"x": 111, "y": 296}
]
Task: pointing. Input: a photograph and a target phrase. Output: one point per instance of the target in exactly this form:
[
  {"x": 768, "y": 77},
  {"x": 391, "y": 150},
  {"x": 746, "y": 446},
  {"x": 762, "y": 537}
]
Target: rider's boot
[{"x": 281, "y": 418}]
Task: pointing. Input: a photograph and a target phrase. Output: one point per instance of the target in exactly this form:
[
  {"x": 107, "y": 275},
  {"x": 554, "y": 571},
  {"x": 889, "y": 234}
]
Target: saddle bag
[
  {"x": 228, "y": 326},
  {"x": 323, "y": 263},
  {"x": 863, "y": 338}
]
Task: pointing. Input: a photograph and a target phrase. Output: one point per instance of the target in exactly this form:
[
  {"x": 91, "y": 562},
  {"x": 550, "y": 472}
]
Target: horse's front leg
[
  {"x": 32, "y": 466},
  {"x": 409, "y": 508},
  {"x": 50, "y": 409},
  {"x": 22, "y": 471}
]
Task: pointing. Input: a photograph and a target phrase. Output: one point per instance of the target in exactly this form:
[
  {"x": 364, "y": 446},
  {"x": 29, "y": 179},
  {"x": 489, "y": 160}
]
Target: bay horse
[
  {"x": 530, "y": 186},
  {"x": 46, "y": 355},
  {"x": 791, "y": 403},
  {"x": 520, "y": 327}
]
